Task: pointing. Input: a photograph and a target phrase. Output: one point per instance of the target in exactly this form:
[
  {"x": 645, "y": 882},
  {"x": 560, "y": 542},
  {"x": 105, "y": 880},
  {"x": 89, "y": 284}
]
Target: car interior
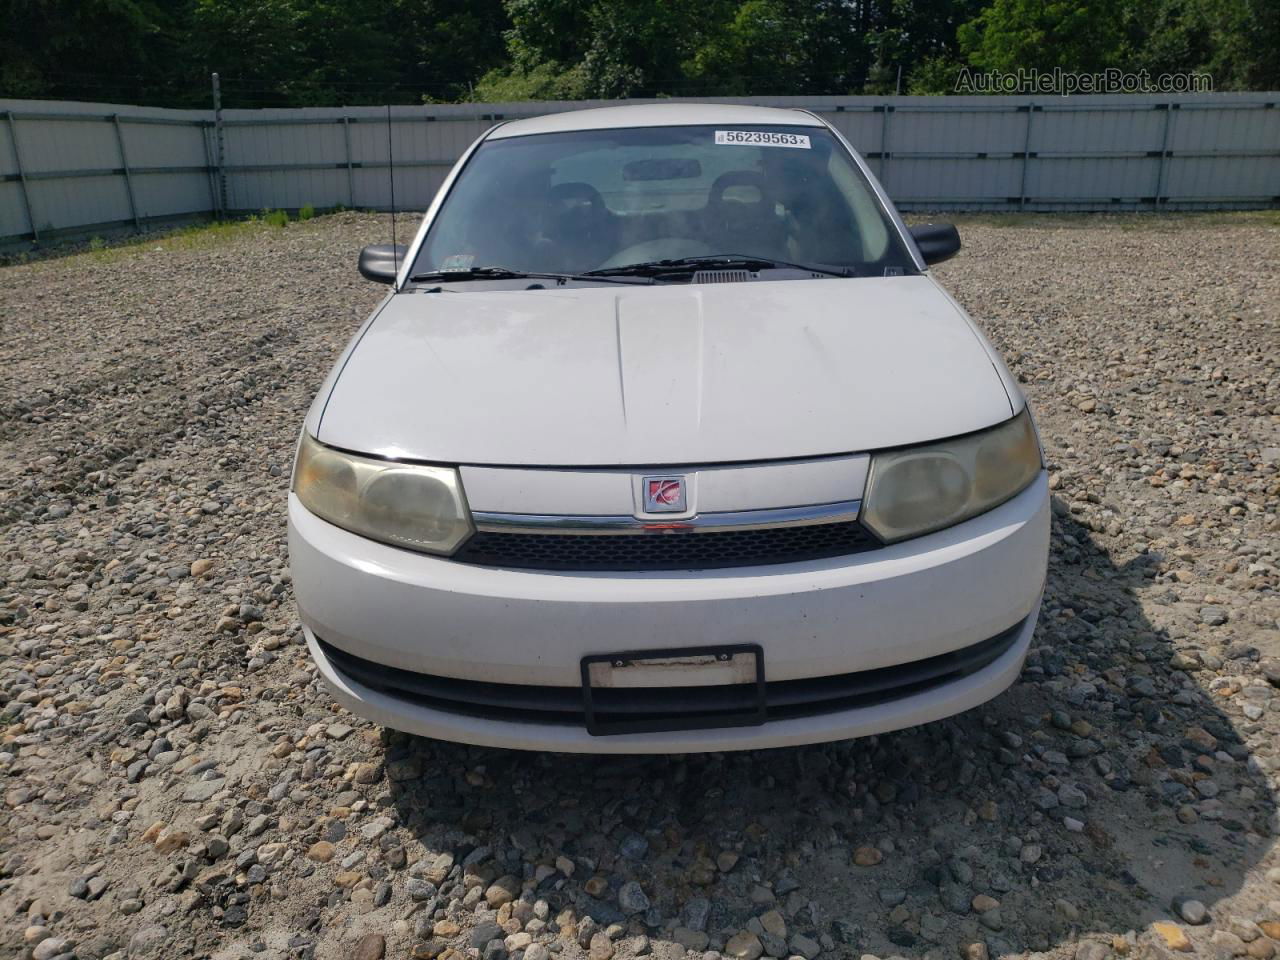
[{"x": 608, "y": 206}]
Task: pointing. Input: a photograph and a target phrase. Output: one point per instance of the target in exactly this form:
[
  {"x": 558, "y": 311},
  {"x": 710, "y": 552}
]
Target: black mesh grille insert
[{"x": 678, "y": 550}]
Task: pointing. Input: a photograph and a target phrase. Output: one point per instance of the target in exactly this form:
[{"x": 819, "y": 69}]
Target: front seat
[
  {"x": 576, "y": 229},
  {"x": 741, "y": 218}
]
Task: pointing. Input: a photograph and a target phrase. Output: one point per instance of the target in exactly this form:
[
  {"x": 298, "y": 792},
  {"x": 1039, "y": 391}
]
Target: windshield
[{"x": 568, "y": 203}]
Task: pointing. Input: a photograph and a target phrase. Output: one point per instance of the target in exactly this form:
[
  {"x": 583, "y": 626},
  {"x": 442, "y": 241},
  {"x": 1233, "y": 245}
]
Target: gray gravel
[{"x": 176, "y": 784}]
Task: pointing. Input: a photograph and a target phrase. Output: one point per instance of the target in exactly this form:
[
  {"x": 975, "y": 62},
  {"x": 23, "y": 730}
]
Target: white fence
[{"x": 84, "y": 167}]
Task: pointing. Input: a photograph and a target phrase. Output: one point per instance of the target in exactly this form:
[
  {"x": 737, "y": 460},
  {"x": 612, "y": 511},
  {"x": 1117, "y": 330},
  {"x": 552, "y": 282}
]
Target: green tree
[
  {"x": 1080, "y": 35},
  {"x": 761, "y": 50},
  {"x": 1234, "y": 41},
  {"x": 90, "y": 49}
]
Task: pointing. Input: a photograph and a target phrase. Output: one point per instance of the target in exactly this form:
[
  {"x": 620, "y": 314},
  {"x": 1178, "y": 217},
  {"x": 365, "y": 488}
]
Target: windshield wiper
[
  {"x": 721, "y": 261},
  {"x": 504, "y": 273}
]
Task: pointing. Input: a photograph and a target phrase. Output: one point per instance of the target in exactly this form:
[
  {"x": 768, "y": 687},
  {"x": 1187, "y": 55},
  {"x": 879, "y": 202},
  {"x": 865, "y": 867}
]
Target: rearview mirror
[
  {"x": 937, "y": 241},
  {"x": 378, "y": 261}
]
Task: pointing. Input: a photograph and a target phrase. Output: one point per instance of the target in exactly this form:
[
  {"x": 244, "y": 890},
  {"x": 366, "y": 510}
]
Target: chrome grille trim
[{"x": 844, "y": 511}]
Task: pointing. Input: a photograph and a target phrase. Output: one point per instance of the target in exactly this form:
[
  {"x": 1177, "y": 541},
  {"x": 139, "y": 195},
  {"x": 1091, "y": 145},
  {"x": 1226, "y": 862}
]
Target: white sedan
[{"x": 665, "y": 440}]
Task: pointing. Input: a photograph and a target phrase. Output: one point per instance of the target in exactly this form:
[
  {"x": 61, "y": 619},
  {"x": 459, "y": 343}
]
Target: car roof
[{"x": 655, "y": 115}]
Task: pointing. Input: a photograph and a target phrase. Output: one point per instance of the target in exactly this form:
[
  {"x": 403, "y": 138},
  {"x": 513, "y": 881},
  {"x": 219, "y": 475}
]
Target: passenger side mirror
[
  {"x": 378, "y": 261},
  {"x": 937, "y": 241}
]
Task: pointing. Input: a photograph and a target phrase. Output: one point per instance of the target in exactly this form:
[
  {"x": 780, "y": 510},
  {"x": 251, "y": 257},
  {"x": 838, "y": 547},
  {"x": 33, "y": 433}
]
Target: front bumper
[{"x": 895, "y": 605}]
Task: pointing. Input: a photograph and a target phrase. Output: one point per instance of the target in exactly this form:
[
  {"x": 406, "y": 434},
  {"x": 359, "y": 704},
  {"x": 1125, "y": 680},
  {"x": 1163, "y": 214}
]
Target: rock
[
  {"x": 1173, "y": 936},
  {"x": 867, "y": 856},
  {"x": 172, "y": 840},
  {"x": 804, "y": 946},
  {"x": 148, "y": 942},
  {"x": 35, "y": 934},
  {"x": 601, "y": 947},
  {"x": 483, "y": 932},
  {"x": 1226, "y": 943},
  {"x": 690, "y": 939},
  {"x": 503, "y": 890},
  {"x": 421, "y": 890},
  {"x": 631, "y": 898},
  {"x": 50, "y": 947},
  {"x": 321, "y": 852},
  {"x": 772, "y": 921},
  {"x": 1192, "y": 911},
  {"x": 1069, "y": 795},
  {"x": 743, "y": 945},
  {"x": 1066, "y": 910},
  {"x": 1213, "y": 616},
  {"x": 1245, "y": 929},
  {"x": 372, "y": 946},
  {"x": 429, "y": 949},
  {"x": 202, "y": 566}
]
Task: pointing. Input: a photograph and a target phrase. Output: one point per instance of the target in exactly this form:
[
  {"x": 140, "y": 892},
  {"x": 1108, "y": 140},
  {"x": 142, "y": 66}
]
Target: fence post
[
  {"x": 128, "y": 176},
  {"x": 22, "y": 177},
  {"x": 886, "y": 109},
  {"x": 218, "y": 145},
  {"x": 206, "y": 141},
  {"x": 1026, "y": 157},
  {"x": 1164, "y": 148},
  {"x": 351, "y": 179}
]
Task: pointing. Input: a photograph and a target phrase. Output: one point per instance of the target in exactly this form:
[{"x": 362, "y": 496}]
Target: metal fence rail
[{"x": 81, "y": 168}]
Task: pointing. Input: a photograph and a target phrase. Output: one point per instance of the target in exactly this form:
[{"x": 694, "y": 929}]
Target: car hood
[{"x": 645, "y": 375}]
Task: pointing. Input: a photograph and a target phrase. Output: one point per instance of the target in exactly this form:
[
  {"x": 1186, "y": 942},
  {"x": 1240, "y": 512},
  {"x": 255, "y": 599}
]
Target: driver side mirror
[
  {"x": 937, "y": 241},
  {"x": 378, "y": 261}
]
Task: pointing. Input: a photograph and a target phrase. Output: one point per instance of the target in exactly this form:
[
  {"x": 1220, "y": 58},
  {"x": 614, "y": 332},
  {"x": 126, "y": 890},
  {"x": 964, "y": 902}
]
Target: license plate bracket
[{"x": 682, "y": 688}]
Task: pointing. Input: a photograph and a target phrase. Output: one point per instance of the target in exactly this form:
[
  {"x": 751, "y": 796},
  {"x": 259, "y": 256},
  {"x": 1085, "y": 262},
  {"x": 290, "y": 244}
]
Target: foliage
[
  {"x": 312, "y": 52},
  {"x": 1083, "y": 35},
  {"x": 275, "y": 218},
  {"x": 307, "y": 212},
  {"x": 1229, "y": 39}
]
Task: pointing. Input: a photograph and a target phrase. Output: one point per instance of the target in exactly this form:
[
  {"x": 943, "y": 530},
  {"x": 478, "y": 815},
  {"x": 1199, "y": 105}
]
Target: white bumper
[{"x": 889, "y": 606}]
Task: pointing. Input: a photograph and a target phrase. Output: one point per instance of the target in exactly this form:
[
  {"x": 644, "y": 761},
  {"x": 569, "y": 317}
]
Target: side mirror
[
  {"x": 937, "y": 241},
  {"x": 378, "y": 261}
]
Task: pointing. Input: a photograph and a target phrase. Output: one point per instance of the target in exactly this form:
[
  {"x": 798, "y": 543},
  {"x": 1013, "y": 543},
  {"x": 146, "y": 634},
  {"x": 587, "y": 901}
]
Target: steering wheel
[{"x": 662, "y": 248}]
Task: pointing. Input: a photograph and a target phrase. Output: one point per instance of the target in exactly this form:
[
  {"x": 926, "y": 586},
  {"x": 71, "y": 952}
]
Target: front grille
[
  {"x": 675, "y": 550},
  {"x": 677, "y": 707}
]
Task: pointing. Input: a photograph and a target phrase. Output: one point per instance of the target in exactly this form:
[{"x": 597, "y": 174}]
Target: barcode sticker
[{"x": 761, "y": 138}]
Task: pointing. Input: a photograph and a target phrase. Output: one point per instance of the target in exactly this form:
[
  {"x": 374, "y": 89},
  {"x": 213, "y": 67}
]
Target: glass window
[{"x": 595, "y": 199}]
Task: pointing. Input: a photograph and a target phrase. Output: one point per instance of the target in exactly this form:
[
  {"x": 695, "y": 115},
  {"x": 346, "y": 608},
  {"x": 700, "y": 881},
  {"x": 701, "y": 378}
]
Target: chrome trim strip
[{"x": 843, "y": 511}]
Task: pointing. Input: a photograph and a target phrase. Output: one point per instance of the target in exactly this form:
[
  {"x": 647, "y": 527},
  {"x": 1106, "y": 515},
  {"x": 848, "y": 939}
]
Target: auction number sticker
[{"x": 762, "y": 138}]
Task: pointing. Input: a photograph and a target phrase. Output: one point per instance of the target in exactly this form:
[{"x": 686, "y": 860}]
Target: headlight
[
  {"x": 404, "y": 504},
  {"x": 921, "y": 489}
]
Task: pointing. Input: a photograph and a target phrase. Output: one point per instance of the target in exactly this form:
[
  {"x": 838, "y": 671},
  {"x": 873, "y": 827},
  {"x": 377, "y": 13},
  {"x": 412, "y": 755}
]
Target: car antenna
[{"x": 391, "y": 169}]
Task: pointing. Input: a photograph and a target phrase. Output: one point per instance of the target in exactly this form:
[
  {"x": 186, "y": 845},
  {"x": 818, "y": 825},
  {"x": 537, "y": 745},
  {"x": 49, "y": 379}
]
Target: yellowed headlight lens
[
  {"x": 921, "y": 489},
  {"x": 403, "y": 504}
]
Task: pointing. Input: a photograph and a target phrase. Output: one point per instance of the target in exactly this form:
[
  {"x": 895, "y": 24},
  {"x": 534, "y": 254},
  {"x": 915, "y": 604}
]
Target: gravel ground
[{"x": 177, "y": 784}]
